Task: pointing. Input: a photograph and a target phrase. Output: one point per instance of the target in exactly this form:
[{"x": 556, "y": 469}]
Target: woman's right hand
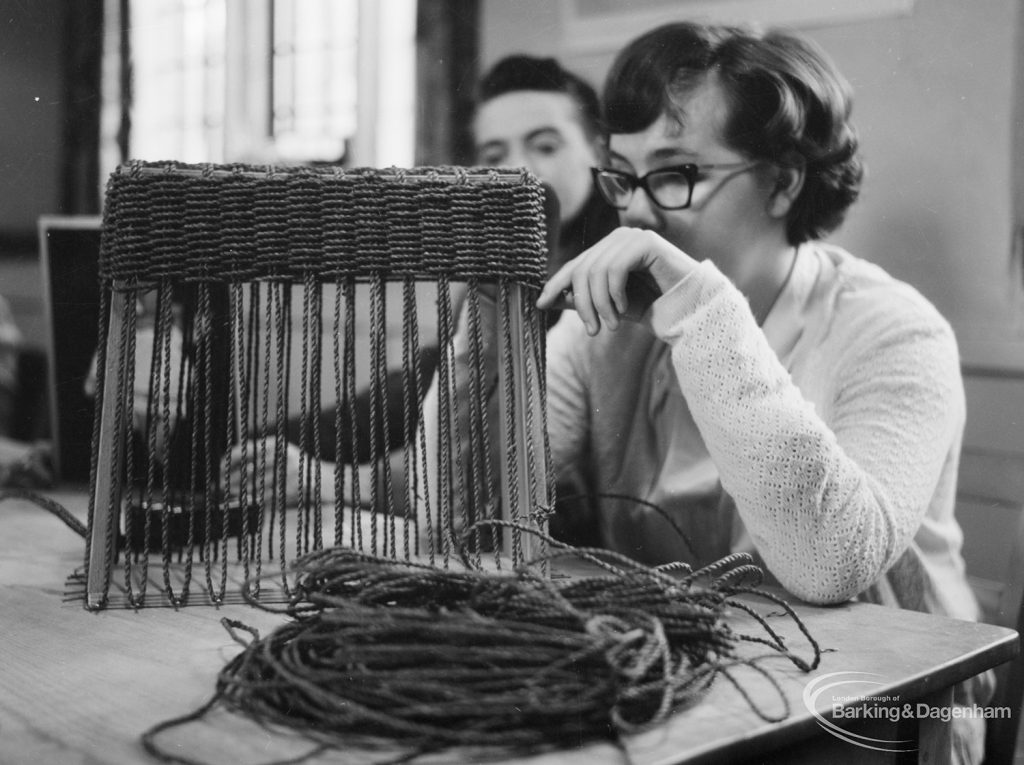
[{"x": 618, "y": 278}]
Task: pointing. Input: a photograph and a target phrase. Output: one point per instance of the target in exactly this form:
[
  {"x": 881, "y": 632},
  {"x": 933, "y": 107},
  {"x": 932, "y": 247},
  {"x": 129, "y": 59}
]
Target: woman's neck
[{"x": 771, "y": 282}]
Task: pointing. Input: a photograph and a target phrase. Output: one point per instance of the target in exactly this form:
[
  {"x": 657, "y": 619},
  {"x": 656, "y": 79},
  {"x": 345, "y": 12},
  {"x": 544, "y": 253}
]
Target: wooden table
[{"x": 81, "y": 687}]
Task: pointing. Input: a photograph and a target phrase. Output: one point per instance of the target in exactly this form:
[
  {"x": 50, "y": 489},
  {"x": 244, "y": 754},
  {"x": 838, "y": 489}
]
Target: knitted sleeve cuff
[{"x": 667, "y": 313}]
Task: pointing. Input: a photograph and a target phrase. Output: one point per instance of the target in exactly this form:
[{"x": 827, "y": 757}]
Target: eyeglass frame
[{"x": 688, "y": 170}]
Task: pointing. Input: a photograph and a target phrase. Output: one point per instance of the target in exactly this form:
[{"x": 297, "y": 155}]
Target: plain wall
[
  {"x": 935, "y": 105},
  {"x": 30, "y": 112},
  {"x": 31, "y": 116}
]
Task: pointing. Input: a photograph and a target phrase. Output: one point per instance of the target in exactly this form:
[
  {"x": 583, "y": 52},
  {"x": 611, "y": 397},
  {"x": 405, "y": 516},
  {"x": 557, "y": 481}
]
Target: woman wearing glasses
[
  {"x": 778, "y": 395},
  {"x": 732, "y": 383}
]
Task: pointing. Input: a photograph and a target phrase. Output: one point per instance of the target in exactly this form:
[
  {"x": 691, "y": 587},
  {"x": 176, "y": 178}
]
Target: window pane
[
  {"x": 314, "y": 77},
  {"x": 396, "y": 83},
  {"x": 271, "y": 80},
  {"x": 178, "y": 63}
]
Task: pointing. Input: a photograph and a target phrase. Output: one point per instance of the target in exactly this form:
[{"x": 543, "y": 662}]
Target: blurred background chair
[
  {"x": 69, "y": 248},
  {"x": 990, "y": 508}
]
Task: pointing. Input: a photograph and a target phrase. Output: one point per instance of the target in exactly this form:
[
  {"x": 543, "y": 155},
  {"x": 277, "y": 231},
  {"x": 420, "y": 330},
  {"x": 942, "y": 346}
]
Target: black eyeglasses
[{"x": 671, "y": 188}]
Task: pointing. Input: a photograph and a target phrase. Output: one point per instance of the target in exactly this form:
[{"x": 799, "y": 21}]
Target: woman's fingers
[
  {"x": 581, "y": 297},
  {"x": 582, "y": 284},
  {"x": 596, "y": 279},
  {"x": 600, "y": 280},
  {"x": 557, "y": 289},
  {"x": 618, "y": 278}
]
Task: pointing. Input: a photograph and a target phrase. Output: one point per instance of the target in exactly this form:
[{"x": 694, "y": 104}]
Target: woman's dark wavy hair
[
  {"x": 521, "y": 72},
  {"x": 788, "y": 105}
]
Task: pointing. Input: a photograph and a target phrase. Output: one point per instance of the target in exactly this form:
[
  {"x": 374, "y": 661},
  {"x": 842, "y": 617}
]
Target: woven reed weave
[
  {"x": 241, "y": 223},
  {"x": 229, "y": 246}
]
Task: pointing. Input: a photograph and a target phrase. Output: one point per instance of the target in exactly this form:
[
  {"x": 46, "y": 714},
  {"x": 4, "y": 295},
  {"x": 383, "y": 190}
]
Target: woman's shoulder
[
  {"x": 880, "y": 327},
  {"x": 862, "y": 291}
]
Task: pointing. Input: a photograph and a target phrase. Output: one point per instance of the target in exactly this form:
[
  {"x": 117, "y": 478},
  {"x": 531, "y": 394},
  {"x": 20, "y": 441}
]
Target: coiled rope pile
[{"x": 390, "y": 655}]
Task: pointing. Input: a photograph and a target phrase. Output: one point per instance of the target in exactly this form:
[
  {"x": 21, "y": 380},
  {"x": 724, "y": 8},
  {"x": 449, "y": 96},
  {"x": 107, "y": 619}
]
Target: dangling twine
[{"x": 412, "y": 659}]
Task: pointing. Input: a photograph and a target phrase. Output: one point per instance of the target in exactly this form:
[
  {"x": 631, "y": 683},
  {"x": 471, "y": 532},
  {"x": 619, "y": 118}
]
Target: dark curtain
[
  {"x": 82, "y": 63},
  {"x": 447, "y": 67}
]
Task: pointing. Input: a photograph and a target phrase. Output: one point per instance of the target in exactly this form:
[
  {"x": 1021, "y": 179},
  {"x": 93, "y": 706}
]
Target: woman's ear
[{"x": 789, "y": 180}]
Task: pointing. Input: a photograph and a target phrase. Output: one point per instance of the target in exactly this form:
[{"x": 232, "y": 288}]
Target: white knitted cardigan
[{"x": 841, "y": 457}]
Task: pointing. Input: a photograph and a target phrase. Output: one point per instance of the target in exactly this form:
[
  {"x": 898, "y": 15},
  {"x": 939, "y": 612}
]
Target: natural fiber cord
[
  {"x": 246, "y": 265},
  {"x": 410, "y": 660}
]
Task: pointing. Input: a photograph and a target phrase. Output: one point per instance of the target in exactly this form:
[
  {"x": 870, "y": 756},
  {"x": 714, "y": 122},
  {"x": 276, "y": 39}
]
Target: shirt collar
[{"x": 785, "y": 323}]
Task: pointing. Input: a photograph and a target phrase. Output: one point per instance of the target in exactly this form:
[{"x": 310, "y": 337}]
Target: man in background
[{"x": 530, "y": 113}]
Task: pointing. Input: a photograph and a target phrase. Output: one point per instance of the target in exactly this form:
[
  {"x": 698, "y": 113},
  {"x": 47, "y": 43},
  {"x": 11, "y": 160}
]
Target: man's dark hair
[
  {"x": 522, "y": 72},
  {"x": 788, "y": 105}
]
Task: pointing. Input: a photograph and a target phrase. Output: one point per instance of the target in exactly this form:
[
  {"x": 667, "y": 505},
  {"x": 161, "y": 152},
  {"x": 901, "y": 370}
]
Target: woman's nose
[{"x": 641, "y": 211}]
